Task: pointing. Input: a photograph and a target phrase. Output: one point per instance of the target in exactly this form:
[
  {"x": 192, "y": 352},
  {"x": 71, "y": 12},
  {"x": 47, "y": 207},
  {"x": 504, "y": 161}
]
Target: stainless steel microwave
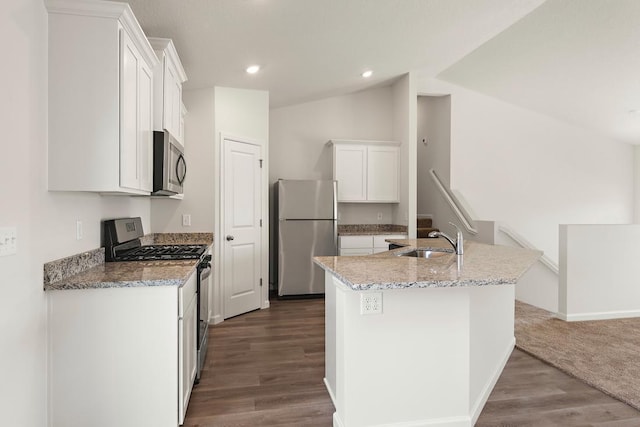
[{"x": 169, "y": 165}]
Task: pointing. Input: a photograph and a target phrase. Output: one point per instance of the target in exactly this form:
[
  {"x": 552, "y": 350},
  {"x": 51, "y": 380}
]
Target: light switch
[
  {"x": 186, "y": 220},
  {"x": 79, "y": 232},
  {"x": 8, "y": 241}
]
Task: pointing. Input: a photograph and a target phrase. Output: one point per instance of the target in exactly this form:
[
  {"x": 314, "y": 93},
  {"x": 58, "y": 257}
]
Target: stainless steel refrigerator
[{"x": 307, "y": 227}]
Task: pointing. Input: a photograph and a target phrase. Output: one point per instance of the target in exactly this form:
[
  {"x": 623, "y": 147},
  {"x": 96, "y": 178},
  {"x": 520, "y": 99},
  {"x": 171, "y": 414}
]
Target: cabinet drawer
[
  {"x": 356, "y": 242},
  {"x": 356, "y": 251},
  {"x": 380, "y": 240},
  {"x": 186, "y": 293}
]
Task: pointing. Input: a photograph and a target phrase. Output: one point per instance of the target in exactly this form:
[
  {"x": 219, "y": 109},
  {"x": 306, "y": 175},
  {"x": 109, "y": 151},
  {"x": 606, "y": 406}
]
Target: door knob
[{"x": 229, "y": 238}]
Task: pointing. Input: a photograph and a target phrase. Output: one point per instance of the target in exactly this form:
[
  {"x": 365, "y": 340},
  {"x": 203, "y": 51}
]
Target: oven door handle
[{"x": 204, "y": 272}]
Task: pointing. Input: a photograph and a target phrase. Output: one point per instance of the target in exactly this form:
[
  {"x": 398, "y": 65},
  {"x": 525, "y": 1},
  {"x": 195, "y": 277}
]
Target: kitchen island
[{"x": 417, "y": 342}]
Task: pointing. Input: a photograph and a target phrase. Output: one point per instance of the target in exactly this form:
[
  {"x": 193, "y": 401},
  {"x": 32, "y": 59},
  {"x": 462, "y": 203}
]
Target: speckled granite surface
[
  {"x": 366, "y": 229},
  {"x": 183, "y": 238},
  {"x": 61, "y": 269},
  {"x": 128, "y": 274},
  {"x": 481, "y": 265},
  {"x": 88, "y": 270}
]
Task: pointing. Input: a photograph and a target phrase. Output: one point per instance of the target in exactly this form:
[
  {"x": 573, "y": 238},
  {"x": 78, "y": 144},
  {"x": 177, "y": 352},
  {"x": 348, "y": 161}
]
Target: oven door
[{"x": 204, "y": 271}]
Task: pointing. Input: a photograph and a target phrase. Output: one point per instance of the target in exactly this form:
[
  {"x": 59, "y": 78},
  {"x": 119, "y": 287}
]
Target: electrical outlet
[
  {"x": 371, "y": 303},
  {"x": 8, "y": 241},
  {"x": 379, "y": 216},
  {"x": 186, "y": 220},
  {"x": 79, "y": 232}
]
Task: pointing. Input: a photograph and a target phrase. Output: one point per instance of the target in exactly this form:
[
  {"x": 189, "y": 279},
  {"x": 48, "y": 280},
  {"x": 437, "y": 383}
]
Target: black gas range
[{"x": 122, "y": 242}]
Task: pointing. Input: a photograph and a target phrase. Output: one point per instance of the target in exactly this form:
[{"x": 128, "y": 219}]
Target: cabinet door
[
  {"x": 382, "y": 174},
  {"x": 349, "y": 165},
  {"x": 188, "y": 355},
  {"x": 172, "y": 101},
  {"x": 177, "y": 109},
  {"x": 167, "y": 109},
  {"x": 183, "y": 112},
  {"x": 145, "y": 133},
  {"x": 129, "y": 66}
]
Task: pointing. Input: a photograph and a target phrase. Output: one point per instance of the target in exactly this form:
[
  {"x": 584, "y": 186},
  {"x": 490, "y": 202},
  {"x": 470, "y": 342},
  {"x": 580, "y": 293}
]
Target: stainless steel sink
[{"x": 426, "y": 253}]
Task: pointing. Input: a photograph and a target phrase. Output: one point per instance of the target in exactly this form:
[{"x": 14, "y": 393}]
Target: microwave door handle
[{"x": 184, "y": 173}]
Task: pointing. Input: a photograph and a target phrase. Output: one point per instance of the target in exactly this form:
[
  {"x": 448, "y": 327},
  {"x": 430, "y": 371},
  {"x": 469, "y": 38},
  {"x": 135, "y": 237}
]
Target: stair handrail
[
  {"x": 524, "y": 243},
  {"x": 454, "y": 203}
]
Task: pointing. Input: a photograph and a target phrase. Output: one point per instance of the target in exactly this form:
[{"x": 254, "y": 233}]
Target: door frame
[{"x": 217, "y": 293}]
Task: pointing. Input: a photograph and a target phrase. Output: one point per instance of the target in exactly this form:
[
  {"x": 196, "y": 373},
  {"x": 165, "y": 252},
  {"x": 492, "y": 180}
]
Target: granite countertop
[
  {"x": 479, "y": 266},
  {"x": 370, "y": 229},
  {"x": 128, "y": 275},
  {"x": 88, "y": 270}
]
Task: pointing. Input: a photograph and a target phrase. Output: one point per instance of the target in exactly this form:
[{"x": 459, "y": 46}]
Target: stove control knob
[{"x": 229, "y": 238}]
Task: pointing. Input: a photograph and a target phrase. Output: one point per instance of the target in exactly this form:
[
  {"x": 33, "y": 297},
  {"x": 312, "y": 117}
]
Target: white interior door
[{"x": 242, "y": 207}]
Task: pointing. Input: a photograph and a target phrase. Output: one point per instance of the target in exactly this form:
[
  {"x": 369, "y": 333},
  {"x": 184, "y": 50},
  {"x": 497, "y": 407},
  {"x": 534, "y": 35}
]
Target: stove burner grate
[{"x": 163, "y": 252}]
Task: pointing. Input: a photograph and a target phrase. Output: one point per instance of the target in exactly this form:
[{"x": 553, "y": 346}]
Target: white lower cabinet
[
  {"x": 366, "y": 244},
  {"x": 121, "y": 357}
]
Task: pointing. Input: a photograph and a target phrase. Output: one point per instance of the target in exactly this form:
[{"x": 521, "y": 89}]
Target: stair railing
[
  {"x": 467, "y": 222},
  {"x": 524, "y": 243},
  {"x": 454, "y": 204}
]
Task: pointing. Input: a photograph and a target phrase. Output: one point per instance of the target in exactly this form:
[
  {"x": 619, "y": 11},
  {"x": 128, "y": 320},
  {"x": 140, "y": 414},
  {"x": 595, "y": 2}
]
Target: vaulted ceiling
[{"x": 572, "y": 59}]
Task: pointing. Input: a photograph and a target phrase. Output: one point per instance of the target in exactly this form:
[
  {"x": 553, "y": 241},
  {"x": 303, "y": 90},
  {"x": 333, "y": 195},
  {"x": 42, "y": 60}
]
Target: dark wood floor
[{"x": 265, "y": 368}]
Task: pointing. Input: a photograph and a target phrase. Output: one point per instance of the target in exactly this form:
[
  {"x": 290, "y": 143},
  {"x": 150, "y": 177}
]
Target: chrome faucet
[{"x": 458, "y": 244}]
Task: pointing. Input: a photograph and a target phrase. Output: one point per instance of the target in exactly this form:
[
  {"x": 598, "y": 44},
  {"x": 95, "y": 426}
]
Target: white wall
[
  {"x": 299, "y": 134},
  {"x": 599, "y": 272},
  {"x": 434, "y": 128},
  {"x": 531, "y": 171},
  {"x": 45, "y": 221},
  {"x": 636, "y": 183},
  {"x": 198, "y": 186},
  {"x": 404, "y": 125},
  {"x": 244, "y": 114}
]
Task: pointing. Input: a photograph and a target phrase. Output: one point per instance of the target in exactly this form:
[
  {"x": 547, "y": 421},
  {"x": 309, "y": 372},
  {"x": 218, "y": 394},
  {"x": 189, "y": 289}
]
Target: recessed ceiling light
[
  {"x": 252, "y": 69},
  {"x": 367, "y": 74}
]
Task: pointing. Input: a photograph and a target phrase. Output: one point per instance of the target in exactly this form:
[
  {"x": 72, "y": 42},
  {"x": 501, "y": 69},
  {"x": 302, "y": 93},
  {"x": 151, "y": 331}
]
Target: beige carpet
[{"x": 604, "y": 353}]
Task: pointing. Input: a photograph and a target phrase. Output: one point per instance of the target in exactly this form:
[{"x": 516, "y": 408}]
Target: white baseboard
[
  {"x": 265, "y": 304},
  {"x": 438, "y": 422},
  {"x": 216, "y": 319},
  {"x": 331, "y": 395},
  {"x": 603, "y": 315},
  {"x": 488, "y": 388}
]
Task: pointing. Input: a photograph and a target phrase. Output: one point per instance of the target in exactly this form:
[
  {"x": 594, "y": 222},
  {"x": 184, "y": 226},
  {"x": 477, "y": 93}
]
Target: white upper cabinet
[
  {"x": 366, "y": 171},
  {"x": 169, "y": 77},
  {"x": 350, "y": 170},
  {"x": 100, "y": 99}
]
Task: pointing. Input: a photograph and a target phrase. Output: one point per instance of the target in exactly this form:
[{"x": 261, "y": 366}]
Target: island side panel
[
  {"x": 409, "y": 364},
  {"x": 492, "y": 339},
  {"x": 113, "y": 357},
  {"x": 330, "y": 335}
]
